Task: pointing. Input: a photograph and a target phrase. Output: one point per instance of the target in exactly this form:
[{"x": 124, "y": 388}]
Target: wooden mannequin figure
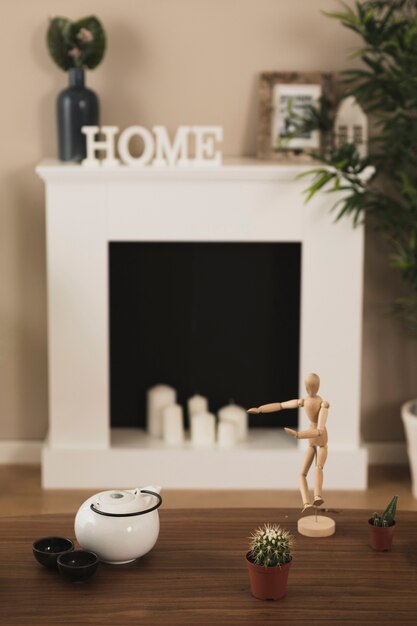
[{"x": 317, "y": 410}]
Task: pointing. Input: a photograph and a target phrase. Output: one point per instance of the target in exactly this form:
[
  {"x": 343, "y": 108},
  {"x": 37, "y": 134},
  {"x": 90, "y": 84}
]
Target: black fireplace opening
[{"x": 218, "y": 319}]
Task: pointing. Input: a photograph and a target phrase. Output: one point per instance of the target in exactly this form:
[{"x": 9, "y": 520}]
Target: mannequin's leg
[
  {"x": 318, "y": 476},
  {"x": 308, "y": 459}
]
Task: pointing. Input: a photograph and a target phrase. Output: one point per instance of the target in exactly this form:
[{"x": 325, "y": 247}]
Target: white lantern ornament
[{"x": 351, "y": 126}]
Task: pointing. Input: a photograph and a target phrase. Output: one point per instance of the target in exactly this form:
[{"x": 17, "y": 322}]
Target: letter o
[{"x": 148, "y": 150}]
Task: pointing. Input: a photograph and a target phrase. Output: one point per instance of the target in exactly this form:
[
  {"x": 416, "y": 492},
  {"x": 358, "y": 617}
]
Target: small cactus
[
  {"x": 388, "y": 516},
  {"x": 271, "y": 546}
]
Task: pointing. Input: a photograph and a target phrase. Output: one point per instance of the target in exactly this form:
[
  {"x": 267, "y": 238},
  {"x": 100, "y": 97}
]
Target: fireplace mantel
[{"x": 243, "y": 200}]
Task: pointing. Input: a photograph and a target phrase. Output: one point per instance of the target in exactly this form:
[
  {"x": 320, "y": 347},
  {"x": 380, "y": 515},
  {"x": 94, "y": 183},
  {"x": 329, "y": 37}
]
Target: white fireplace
[{"x": 240, "y": 201}]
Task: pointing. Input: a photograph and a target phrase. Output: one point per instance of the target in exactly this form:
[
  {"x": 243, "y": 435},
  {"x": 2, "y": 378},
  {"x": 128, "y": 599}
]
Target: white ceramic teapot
[{"x": 119, "y": 526}]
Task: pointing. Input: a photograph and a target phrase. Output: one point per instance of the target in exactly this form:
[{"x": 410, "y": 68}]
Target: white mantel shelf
[
  {"x": 231, "y": 169},
  {"x": 242, "y": 200}
]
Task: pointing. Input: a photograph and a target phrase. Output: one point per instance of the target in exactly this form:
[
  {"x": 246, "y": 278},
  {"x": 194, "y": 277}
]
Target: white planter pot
[{"x": 409, "y": 416}]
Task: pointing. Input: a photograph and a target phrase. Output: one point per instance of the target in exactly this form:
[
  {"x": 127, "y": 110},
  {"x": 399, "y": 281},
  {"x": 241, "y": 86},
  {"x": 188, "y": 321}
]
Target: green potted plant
[
  {"x": 381, "y": 527},
  {"x": 268, "y": 561},
  {"x": 75, "y": 47},
  {"x": 381, "y": 188}
]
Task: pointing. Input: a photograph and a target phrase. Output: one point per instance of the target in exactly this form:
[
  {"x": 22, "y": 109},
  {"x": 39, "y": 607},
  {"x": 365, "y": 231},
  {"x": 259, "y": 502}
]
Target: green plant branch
[{"x": 383, "y": 186}]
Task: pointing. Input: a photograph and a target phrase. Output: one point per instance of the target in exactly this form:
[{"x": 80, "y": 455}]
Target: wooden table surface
[{"x": 196, "y": 575}]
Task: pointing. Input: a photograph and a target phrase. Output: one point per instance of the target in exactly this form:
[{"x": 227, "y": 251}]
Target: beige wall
[{"x": 168, "y": 62}]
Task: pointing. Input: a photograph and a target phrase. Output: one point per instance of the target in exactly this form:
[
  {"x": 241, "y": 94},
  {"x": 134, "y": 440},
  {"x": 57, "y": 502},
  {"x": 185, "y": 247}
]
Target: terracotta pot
[
  {"x": 380, "y": 537},
  {"x": 268, "y": 583}
]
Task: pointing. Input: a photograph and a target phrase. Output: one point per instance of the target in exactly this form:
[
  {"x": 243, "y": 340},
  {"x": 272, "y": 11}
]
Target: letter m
[{"x": 167, "y": 153}]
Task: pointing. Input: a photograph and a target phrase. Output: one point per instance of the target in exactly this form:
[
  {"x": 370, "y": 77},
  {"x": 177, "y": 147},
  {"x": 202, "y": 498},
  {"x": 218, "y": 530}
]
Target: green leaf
[
  {"x": 57, "y": 38},
  {"x": 348, "y": 17},
  {"x": 320, "y": 182},
  {"x": 94, "y": 51},
  {"x": 317, "y": 170}
]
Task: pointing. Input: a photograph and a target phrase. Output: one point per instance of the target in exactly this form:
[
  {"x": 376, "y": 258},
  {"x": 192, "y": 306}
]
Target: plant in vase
[
  {"x": 268, "y": 561},
  {"x": 381, "y": 527},
  {"x": 75, "y": 46},
  {"x": 381, "y": 187}
]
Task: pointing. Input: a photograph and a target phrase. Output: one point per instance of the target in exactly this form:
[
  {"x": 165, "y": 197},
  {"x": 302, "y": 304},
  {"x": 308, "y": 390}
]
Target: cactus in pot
[
  {"x": 268, "y": 561},
  {"x": 382, "y": 526}
]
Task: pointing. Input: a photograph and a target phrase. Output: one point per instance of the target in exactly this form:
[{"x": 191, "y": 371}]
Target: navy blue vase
[{"x": 77, "y": 106}]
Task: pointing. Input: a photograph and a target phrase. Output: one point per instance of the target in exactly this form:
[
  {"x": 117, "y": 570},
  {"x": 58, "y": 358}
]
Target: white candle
[
  {"x": 238, "y": 416},
  {"x": 226, "y": 434},
  {"x": 203, "y": 429},
  {"x": 173, "y": 425},
  {"x": 197, "y": 404},
  {"x": 158, "y": 398}
]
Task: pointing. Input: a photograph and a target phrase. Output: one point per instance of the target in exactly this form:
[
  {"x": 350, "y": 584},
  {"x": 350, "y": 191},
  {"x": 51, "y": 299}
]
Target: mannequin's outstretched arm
[
  {"x": 312, "y": 432},
  {"x": 277, "y": 406}
]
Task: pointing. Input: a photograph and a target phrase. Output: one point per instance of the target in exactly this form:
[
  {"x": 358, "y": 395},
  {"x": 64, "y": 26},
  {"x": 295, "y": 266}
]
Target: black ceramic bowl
[
  {"x": 46, "y": 550},
  {"x": 78, "y": 566}
]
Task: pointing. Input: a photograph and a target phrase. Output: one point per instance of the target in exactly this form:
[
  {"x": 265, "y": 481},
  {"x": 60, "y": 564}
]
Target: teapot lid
[{"x": 120, "y": 503}]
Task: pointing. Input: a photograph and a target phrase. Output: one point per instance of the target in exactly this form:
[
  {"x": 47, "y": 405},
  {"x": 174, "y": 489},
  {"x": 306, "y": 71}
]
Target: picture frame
[{"x": 281, "y": 95}]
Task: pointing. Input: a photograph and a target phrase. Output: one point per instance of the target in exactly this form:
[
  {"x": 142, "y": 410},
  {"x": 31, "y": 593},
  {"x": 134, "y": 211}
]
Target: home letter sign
[{"x": 158, "y": 150}]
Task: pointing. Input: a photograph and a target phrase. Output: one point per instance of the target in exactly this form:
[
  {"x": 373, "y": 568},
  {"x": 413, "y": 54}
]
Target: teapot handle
[{"x": 152, "y": 508}]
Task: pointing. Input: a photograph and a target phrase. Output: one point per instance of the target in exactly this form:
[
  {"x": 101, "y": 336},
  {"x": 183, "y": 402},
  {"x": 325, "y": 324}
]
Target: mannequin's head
[{"x": 312, "y": 383}]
